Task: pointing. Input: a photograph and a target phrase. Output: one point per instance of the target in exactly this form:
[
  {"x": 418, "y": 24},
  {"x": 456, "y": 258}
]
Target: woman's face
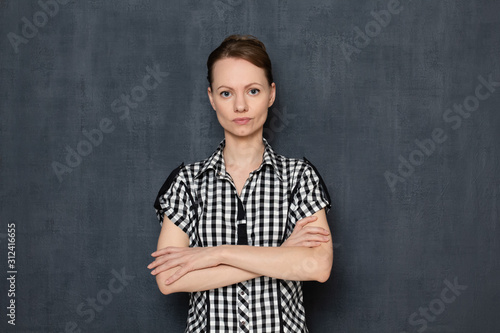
[{"x": 240, "y": 96}]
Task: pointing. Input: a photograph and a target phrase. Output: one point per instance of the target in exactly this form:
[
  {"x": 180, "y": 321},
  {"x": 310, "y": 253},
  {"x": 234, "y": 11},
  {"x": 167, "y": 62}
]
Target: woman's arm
[
  {"x": 203, "y": 279},
  {"x": 299, "y": 263},
  {"x": 296, "y": 263}
]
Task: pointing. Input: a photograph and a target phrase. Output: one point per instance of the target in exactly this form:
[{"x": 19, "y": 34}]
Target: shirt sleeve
[
  {"x": 176, "y": 203},
  {"x": 309, "y": 196}
]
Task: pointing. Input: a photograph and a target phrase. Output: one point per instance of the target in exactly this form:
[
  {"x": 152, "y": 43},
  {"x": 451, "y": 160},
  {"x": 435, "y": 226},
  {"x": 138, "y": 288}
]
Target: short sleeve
[
  {"x": 175, "y": 201},
  {"x": 310, "y": 194}
]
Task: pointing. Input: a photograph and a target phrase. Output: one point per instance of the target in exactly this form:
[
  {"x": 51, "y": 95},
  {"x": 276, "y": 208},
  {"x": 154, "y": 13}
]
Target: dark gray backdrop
[{"x": 390, "y": 100}]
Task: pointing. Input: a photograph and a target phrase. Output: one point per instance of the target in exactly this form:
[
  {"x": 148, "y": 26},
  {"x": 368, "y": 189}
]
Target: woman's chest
[{"x": 260, "y": 211}]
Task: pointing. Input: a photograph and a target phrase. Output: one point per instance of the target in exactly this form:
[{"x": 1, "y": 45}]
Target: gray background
[{"x": 353, "y": 117}]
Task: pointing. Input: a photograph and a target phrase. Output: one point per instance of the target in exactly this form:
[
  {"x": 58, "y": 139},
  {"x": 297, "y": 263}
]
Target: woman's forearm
[
  {"x": 289, "y": 263},
  {"x": 240, "y": 263},
  {"x": 307, "y": 254},
  {"x": 204, "y": 279}
]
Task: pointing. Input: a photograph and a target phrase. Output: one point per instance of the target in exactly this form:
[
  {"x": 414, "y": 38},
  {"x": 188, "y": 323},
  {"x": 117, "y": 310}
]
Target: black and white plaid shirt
[{"x": 202, "y": 200}]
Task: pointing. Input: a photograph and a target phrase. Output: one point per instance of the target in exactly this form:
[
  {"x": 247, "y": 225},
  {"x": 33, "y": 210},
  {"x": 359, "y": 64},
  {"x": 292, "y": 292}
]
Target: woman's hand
[
  {"x": 307, "y": 236},
  {"x": 186, "y": 258}
]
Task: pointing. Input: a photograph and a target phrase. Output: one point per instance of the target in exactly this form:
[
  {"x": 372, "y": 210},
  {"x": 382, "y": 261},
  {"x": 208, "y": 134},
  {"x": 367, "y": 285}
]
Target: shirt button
[
  {"x": 242, "y": 293},
  {"x": 244, "y": 323}
]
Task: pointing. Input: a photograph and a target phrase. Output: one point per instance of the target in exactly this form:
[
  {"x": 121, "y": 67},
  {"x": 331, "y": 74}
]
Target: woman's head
[
  {"x": 241, "y": 85},
  {"x": 244, "y": 47}
]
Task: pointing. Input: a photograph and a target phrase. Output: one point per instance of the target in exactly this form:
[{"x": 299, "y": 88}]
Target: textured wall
[{"x": 395, "y": 102}]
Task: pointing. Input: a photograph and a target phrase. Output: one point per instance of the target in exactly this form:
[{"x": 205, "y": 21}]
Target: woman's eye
[
  {"x": 225, "y": 94},
  {"x": 254, "y": 91}
]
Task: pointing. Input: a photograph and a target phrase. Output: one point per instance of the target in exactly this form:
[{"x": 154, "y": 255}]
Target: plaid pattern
[{"x": 202, "y": 200}]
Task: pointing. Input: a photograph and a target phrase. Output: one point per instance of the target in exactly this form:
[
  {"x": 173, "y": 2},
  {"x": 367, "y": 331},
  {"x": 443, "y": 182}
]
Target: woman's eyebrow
[{"x": 248, "y": 85}]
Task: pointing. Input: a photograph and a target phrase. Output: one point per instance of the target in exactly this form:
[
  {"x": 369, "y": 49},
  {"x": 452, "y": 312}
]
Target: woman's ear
[
  {"x": 211, "y": 98},
  {"x": 272, "y": 95}
]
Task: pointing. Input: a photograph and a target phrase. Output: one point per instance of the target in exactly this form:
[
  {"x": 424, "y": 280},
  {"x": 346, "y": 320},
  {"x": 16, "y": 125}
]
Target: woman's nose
[{"x": 240, "y": 103}]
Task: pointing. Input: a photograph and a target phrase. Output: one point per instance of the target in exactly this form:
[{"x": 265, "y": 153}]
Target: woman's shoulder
[
  {"x": 301, "y": 170},
  {"x": 187, "y": 172},
  {"x": 295, "y": 170},
  {"x": 182, "y": 176},
  {"x": 292, "y": 165}
]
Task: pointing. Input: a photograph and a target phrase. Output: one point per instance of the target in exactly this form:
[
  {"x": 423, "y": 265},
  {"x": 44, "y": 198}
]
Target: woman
[{"x": 243, "y": 228}]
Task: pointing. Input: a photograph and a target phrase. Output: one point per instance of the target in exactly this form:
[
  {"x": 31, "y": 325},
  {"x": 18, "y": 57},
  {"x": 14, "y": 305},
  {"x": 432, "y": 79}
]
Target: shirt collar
[{"x": 216, "y": 161}]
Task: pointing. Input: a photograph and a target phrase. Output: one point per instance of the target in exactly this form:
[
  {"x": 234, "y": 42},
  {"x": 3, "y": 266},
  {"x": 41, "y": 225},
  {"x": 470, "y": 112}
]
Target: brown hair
[{"x": 244, "y": 47}]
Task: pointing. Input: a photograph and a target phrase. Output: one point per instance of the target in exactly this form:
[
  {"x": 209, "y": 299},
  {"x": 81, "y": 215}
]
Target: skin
[{"x": 241, "y": 90}]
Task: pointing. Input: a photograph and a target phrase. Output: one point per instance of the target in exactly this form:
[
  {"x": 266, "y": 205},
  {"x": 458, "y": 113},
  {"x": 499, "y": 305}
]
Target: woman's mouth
[{"x": 241, "y": 121}]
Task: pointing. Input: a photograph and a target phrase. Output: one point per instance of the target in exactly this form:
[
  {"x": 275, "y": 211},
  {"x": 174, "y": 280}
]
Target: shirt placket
[
  {"x": 243, "y": 307},
  {"x": 242, "y": 288}
]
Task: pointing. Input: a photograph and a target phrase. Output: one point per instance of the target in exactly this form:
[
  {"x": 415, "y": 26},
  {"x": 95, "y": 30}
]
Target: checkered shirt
[{"x": 202, "y": 200}]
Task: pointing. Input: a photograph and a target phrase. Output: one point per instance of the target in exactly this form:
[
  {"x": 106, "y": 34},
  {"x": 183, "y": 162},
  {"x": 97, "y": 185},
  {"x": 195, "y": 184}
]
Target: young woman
[{"x": 243, "y": 228}]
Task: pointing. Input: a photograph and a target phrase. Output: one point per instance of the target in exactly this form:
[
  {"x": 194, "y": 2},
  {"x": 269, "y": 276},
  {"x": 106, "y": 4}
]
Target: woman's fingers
[
  {"x": 153, "y": 264},
  {"x": 177, "y": 275},
  {"x": 316, "y": 239},
  {"x": 315, "y": 230},
  {"x": 160, "y": 259},
  {"x": 186, "y": 258},
  {"x": 166, "y": 250},
  {"x": 162, "y": 266},
  {"x": 307, "y": 236},
  {"x": 165, "y": 254},
  {"x": 311, "y": 231},
  {"x": 307, "y": 240},
  {"x": 303, "y": 222},
  {"x": 166, "y": 263}
]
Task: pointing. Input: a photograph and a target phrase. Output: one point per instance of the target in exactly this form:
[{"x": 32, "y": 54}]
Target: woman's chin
[{"x": 243, "y": 134}]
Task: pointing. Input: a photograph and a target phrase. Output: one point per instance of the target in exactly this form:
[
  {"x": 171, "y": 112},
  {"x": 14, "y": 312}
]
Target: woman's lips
[{"x": 241, "y": 121}]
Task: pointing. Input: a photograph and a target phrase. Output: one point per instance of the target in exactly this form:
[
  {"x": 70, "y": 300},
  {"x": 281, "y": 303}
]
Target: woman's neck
[{"x": 243, "y": 152}]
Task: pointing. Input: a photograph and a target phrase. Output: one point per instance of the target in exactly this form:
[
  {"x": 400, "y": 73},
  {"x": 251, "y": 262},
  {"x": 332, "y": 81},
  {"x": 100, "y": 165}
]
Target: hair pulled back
[{"x": 244, "y": 47}]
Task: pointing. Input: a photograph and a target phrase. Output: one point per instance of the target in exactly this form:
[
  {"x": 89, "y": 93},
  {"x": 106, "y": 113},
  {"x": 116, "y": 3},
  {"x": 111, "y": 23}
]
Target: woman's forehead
[{"x": 235, "y": 72}]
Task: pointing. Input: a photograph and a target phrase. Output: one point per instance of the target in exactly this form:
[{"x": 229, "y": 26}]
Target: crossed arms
[{"x": 306, "y": 255}]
